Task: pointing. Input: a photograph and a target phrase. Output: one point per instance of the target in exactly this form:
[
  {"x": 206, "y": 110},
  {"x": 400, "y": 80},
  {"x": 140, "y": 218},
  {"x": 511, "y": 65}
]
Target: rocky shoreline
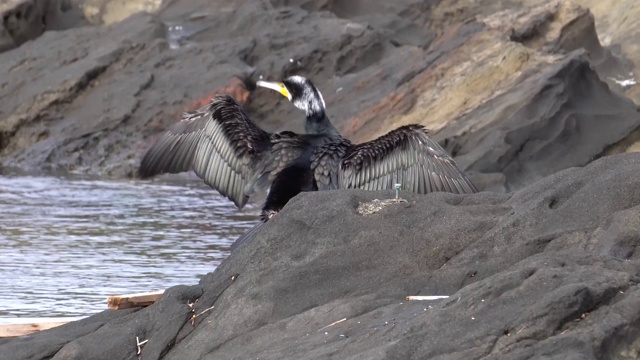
[
  {"x": 549, "y": 271},
  {"x": 535, "y": 99}
]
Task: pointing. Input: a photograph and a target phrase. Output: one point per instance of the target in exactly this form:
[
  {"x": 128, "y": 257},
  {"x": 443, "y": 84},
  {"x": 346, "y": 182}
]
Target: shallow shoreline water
[{"x": 68, "y": 243}]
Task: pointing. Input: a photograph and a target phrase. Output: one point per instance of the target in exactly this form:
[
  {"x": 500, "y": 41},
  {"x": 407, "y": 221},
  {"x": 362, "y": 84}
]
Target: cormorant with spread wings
[{"x": 236, "y": 157}]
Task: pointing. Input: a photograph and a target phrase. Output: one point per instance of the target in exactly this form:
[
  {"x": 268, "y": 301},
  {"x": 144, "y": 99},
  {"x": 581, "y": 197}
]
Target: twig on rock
[
  {"x": 333, "y": 323},
  {"x": 139, "y": 345},
  {"x": 434, "y": 297},
  {"x": 194, "y": 316},
  {"x": 205, "y": 310},
  {"x": 192, "y": 304}
]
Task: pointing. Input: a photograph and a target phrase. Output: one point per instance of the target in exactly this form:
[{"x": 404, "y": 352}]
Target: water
[{"x": 67, "y": 244}]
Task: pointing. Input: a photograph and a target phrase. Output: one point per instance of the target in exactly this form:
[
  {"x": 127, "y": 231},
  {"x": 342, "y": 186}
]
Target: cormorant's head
[{"x": 300, "y": 91}]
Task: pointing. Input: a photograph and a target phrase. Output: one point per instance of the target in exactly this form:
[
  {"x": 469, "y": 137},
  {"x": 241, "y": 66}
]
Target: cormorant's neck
[{"x": 319, "y": 124}]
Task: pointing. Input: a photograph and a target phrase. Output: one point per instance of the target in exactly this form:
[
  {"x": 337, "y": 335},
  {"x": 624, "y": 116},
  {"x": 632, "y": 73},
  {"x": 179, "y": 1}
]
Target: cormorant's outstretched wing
[
  {"x": 325, "y": 162},
  {"x": 406, "y": 156},
  {"x": 219, "y": 142}
]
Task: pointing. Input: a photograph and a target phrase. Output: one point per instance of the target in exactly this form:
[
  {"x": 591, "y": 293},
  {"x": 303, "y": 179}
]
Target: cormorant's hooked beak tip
[{"x": 279, "y": 87}]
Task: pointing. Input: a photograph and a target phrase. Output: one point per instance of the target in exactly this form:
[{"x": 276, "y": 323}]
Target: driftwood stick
[
  {"x": 139, "y": 344},
  {"x": 119, "y": 302},
  {"x": 13, "y": 330},
  {"x": 333, "y": 323},
  {"x": 418, "y": 298}
]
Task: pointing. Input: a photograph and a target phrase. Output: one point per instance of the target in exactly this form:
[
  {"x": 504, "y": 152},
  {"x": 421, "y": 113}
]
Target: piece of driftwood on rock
[
  {"x": 13, "y": 330},
  {"x": 119, "y": 302}
]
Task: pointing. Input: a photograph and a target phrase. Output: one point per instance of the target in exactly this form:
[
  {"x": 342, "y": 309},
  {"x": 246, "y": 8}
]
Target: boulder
[
  {"x": 20, "y": 21},
  {"x": 24, "y": 20},
  {"x": 618, "y": 27},
  {"x": 549, "y": 271}
]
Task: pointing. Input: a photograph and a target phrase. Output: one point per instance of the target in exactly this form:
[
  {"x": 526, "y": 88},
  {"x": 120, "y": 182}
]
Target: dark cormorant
[{"x": 237, "y": 158}]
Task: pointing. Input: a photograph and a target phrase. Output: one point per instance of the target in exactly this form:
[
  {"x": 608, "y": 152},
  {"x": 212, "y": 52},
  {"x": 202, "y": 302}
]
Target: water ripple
[{"x": 67, "y": 244}]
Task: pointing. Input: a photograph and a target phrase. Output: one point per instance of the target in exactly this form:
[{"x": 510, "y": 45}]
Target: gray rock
[
  {"x": 93, "y": 99},
  {"x": 24, "y": 20},
  {"x": 96, "y": 106},
  {"x": 550, "y": 271},
  {"x": 565, "y": 117},
  {"x": 21, "y": 20}
]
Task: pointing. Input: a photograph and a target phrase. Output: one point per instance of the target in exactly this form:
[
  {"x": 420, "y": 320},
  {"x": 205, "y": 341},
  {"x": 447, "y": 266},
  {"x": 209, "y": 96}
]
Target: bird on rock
[{"x": 233, "y": 155}]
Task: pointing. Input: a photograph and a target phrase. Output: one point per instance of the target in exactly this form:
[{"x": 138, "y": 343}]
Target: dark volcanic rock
[
  {"x": 567, "y": 117},
  {"x": 95, "y": 106},
  {"x": 505, "y": 85},
  {"x": 550, "y": 271},
  {"x": 24, "y": 20}
]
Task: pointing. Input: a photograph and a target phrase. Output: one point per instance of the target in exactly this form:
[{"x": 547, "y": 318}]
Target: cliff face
[
  {"x": 515, "y": 90},
  {"x": 549, "y": 271}
]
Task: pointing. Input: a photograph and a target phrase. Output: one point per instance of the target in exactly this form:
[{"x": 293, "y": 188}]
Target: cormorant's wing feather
[
  {"x": 407, "y": 156},
  {"x": 219, "y": 142},
  {"x": 173, "y": 152},
  {"x": 325, "y": 163}
]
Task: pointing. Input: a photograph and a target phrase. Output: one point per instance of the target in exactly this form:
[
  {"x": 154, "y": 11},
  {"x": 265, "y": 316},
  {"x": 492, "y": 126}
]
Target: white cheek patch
[
  {"x": 315, "y": 104},
  {"x": 300, "y": 104},
  {"x": 321, "y": 100}
]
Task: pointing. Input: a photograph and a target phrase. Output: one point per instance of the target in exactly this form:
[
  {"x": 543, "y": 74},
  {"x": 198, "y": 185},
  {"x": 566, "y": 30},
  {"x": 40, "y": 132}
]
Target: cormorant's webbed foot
[{"x": 266, "y": 215}]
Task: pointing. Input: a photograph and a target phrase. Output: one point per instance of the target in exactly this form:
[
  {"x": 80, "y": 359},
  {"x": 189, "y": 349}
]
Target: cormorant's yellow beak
[{"x": 279, "y": 87}]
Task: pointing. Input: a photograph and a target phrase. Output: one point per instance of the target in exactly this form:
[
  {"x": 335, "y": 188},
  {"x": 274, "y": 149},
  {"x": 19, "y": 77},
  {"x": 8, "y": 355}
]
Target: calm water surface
[{"x": 67, "y": 244}]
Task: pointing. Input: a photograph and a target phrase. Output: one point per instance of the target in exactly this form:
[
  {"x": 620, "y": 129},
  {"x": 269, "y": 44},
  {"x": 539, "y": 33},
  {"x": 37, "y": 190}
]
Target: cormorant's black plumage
[{"x": 237, "y": 158}]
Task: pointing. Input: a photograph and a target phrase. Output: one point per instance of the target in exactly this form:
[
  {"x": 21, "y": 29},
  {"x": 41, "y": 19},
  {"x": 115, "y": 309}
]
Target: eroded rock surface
[
  {"x": 519, "y": 91},
  {"x": 506, "y": 85},
  {"x": 549, "y": 271}
]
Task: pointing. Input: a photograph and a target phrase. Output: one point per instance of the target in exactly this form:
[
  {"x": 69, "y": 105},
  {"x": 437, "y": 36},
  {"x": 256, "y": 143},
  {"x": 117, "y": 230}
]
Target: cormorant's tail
[{"x": 246, "y": 236}]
